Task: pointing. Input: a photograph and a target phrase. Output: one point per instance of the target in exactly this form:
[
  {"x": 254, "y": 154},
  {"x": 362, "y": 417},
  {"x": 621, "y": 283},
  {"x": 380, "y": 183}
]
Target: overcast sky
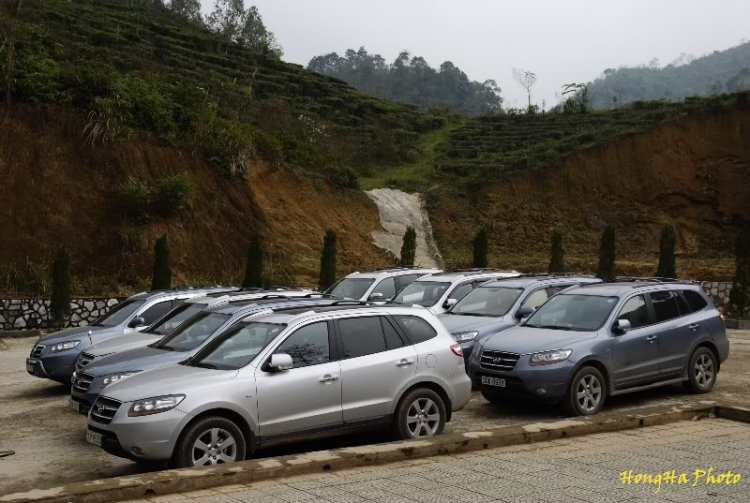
[{"x": 561, "y": 41}]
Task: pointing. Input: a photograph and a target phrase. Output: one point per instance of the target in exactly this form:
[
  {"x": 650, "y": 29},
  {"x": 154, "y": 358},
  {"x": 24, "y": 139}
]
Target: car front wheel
[
  {"x": 213, "y": 440},
  {"x": 586, "y": 393}
]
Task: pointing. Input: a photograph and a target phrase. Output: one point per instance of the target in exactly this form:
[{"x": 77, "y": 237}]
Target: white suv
[
  {"x": 288, "y": 374},
  {"x": 380, "y": 284}
]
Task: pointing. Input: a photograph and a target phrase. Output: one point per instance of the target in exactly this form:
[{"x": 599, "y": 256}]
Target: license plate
[
  {"x": 94, "y": 438},
  {"x": 30, "y": 364},
  {"x": 493, "y": 381},
  {"x": 74, "y": 405}
]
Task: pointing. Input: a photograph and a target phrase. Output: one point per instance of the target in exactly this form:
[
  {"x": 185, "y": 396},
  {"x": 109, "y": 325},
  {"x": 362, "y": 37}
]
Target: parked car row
[{"x": 223, "y": 371}]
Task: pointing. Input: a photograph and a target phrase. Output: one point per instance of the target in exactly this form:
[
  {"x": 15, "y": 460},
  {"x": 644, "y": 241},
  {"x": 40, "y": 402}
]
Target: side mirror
[
  {"x": 524, "y": 312},
  {"x": 450, "y": 303},
  {"x": 376, "y": 296},
  {"x": 136, "y": 322},
  {"x": 622, "y": 326},
  {"x": 281, "y": 361}
]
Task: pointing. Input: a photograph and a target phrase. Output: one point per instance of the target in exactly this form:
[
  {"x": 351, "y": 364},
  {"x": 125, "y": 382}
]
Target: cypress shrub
[
  {"x": 254, "y": 268},
  {"x": 607, "y": 251},
  {"x": 557, "y": 253},
  {"x": 162, "y": 277},
  {"x": 481, "y": 244},
  {"x": 667, "y": 241},
  {"x": 739, "y": 296},
  {"x": 60, "y": 303},
  {"x": 328, "y": 261},
  {"x": 409, "y": 248}
]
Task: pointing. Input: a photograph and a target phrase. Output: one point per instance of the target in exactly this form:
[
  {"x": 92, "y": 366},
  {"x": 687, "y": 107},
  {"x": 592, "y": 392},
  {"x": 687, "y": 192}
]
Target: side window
[
  {"x": 695, "y": 300},
  {"x": 361, "y": 336},
  {"x": 308, "y": 345},
  {"x": 635, "y": 312},
  {"x": 554, "y": 290},
  {"x": 536, "y": 299},
  {"x": 416, "y": 328},
  {"x": 460, "y": 292},
  {"x": 665, "y": 305},
  {"x": 392, "y": 339},
  {"x": 404, "y": 281},
  {"x": 387, "y": 287},
  {"x": 156, "y": 311}
]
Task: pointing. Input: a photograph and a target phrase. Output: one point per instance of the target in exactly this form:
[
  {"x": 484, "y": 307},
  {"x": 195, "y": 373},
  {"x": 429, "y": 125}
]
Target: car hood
[
  {"x": 526, "y": 340},
  {"x": 483, "y": 324},
  {"x": 78, "y": 333},
  {"x": 172, "y": 380},
  {"x": 123, "y": 343},
  {"x": 144, "y": 358}
]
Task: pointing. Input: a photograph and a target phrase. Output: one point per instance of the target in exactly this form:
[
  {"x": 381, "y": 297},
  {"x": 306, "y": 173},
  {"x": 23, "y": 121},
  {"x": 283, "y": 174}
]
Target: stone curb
[{"x": 189, "y": 479}]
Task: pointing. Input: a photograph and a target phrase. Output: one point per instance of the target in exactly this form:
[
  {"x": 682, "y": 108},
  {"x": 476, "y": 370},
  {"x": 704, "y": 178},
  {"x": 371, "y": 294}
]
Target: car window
[
  {"x": 238, "y": 346},
  {"x": 695, "y": 300},
  {"x": 350, "y": 288},
  {"x": 361, "y": 336},
  {"x": 460, "y": 292},
  {"x": 557, "y": 289},
  {"x": 174, "y": 318},
  {"x": 573, "y": 312},
  {"x": 682, "y": 304},
  {"x": 635, "y": 312},
  {"x": 536, "y": 299},
  {"x": 193, "y": 332},
  {"x": 308, "y": 346},
  {"x": 416, "y": 328},
  {"x": 119, "y": 313},
  {"x": 405, "y": 280},
  {"x": 665, "y": 305},
  {"x": 156, "y": 311},
  {"x": 487, "y": 301},
  {"x": 392, "y": 339},
  {"x": 387, "y": 287},
  {"x": 423, "y": 293}
]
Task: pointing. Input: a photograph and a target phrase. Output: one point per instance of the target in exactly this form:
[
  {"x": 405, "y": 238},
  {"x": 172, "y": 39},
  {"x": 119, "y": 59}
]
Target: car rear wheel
[
  {"x": 586, "y": 393},
  {"x": 213, "y": 440},
  {"x": 420, "y": 414},
  {"x": 701, "y": 371}
]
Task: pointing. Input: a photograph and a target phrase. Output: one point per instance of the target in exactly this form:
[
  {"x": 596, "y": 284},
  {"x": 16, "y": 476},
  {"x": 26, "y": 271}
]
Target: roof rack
[
  {"x": 642, "y": 279},
  {"x": 571, "y": 274}
]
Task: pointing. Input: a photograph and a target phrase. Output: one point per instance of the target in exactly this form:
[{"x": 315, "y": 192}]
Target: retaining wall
[{"x": 33, "y": 314}]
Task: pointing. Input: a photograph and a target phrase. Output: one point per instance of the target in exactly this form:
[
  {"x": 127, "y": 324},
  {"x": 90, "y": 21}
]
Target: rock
[
  {"x": 20, "y": 323},
  {"x": 111, "y": 302},
  {"x": 95, "y": 314},
  {"x": 88, "y": 305},
  {"x": 100, "y": 304},
  {"x": 74, "y": 318},
  {"x": 42, "y": 310},
  {"x": 2, "y": 320}
]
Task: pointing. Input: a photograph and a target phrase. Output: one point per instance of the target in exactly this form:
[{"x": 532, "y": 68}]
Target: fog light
[
  {"x": 541, "y": 391},
  {"x": 137, "y": 451}
]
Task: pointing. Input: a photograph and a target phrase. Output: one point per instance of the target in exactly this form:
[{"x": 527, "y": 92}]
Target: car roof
[
  {"x": 392, "y": 271},
  {"x": 457, "y": 275},
  {"x": 287, "y": 315},
  {"x": 624, "y": 286},
  {"x": 254, "y": 294},
  {"x": 179, "y": 291},
  {"x": 526, "y": 281},
  {"x": 249, "y": 305}
]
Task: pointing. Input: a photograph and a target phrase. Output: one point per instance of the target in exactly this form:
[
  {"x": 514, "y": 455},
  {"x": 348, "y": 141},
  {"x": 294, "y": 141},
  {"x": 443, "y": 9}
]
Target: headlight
[
  {"x": 111, "y": 379},
  {"x": 464, "y": 336},
  {"x": 546, "y": 357},
  {"x": 63, "y": 346},
  {"x": 154, "y": 405},
  {"x": 476, "y": 352}
]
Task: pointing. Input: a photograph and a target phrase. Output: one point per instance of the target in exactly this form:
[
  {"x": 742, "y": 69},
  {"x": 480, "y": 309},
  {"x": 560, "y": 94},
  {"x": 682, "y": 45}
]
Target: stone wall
[
  {"x": 33, "y": 314},
  {"x": 719, "y": 292}
]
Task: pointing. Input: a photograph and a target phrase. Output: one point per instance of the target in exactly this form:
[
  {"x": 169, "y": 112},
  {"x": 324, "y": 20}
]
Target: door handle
[
  {"x": 404, "y": 362},
  {"x": 328, "y": 378},
  {"x": 694, "y": 327},
  {"x": 651, "y": 339}
]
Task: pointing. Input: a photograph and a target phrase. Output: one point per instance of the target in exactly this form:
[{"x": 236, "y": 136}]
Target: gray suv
[
  {"x": 498, "y": 305},
  {"x": 380, "y": 284},
  {"x": 286, "y": 375},
  {"x": 603, "y": 340},
  {"x": 54, "y": 355}
]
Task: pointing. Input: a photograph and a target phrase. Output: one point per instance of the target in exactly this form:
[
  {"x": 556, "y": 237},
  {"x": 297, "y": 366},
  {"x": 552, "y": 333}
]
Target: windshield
[
  {"x": 118, "y": 314},
  {"x": 422, "y": 293},
  {"x": 584, "y": 313},
  {"x": 487, "y": 301},
  {"x": 174, "y": 318},
  {"x": 193, "y": 332},
  {"x": 351, "y": 288},
  {"x": 238, "y": 346}
]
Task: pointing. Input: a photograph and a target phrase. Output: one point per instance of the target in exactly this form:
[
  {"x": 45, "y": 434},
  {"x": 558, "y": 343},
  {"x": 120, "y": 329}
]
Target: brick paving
[{"x": 578, "y": 470}]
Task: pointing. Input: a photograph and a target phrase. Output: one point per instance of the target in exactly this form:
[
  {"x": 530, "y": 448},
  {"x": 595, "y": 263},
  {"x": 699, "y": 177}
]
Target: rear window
[
  {"x": 665, "y": 305},
  {"x": 695, "y": 300},
  {"x": 416, "y": 328}
]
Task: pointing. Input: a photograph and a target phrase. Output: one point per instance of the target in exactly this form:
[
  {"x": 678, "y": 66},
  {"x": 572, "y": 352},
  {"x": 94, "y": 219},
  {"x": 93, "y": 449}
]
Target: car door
[
  {"x": 306, "y": 397},
  {"x": 376, "y": 364},
  {"x": 677, "y": 333},
  {"x": 386, "y": 288},
  {"x": 635, "y": 354}
]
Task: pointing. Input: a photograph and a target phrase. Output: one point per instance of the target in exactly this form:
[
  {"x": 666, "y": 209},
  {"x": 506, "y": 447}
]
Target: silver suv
[
  {"x": 380, "y": 284},
  {"x": 282, "y": 375}
]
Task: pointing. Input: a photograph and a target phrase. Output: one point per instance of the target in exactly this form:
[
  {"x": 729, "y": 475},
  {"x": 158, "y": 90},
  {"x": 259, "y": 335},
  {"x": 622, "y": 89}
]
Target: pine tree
[
  {"x": 557, "y": 253},
  {"x": 667, "y": 241},
  {"x": 481, "y": 245},
  {"x": 607, "y": 252},
  {"x": 409, "y": 248},
  {"x": 328, "y": 260},
  {"x": 739, "y": 296},
  {"x": 60, "y": 303},
  {"x": 254, "y": 268},
  {"x": 162, "y": 277}
]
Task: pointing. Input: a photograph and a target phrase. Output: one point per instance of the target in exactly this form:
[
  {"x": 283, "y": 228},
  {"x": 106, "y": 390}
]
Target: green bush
[
  {"x": 607, "y": 252},
  {"x": 173, "y": 193},
  {"x": 161, "y": 278},
  {"x": 343, "y": 177},
  {"x": 136, "y": 197},
  {"x": 557, "y": 253},
  {"x": 739, "y": 296},
  {"x": 481, "y": 248},
  {"x": 666, "y": 268},
  {"x": 409, "y": 247},
  {"x": 328, "y": 261},
  {"x": 254, "y": 267}
]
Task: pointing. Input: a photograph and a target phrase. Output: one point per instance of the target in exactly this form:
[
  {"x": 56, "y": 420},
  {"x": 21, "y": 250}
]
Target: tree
[
  {"x": 481, "y": 246},
  {"x": 254, "y": 268},
  {"x": 667, "y": 241},
  {"x": 557, "y": 253},
  {"x": 162, "y": 276},
  {"x": 227, "y": 18},
  {"x": 60, "y": 303},
  {"x": 187, "y": 9},
  {"x": 526, "y": 80},
  {"x": 328, "y": 260},
  {"x": 607, "y": 251},
  {"x": 739, "y": 296},
  {"x": 409, "y": 248}
]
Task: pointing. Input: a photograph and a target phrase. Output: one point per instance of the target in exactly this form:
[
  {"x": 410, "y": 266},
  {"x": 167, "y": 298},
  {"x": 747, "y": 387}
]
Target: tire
[
  {"x": 586, "y": 393},
  {"x": 702, "y": 370},
  {"x": 209, "y": 432},
  {"x": 420, "y": 414},
  {"x": 494, "y": 400}
]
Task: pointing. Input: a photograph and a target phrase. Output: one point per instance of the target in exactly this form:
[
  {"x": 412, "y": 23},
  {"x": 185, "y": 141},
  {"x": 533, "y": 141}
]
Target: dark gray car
[
  {"x": 602, "y": 340},
  {"x": 498, "y": 305}
]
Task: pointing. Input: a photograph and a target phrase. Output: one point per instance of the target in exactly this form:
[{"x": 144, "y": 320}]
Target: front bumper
[
  {"x": 541, "y": 382},
  {"x": 58, "y": 367}
]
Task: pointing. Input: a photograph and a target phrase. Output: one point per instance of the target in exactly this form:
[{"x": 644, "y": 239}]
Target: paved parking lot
[{"x": 51, "y": 450}]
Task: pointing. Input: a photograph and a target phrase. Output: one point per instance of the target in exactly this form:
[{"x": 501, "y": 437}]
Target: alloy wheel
[
  {"x": 703, "y": 371},
  {"x": 423, "y": 418},
  {"x": 589, "y": 393},
  {"x": 213, "y": 447}
]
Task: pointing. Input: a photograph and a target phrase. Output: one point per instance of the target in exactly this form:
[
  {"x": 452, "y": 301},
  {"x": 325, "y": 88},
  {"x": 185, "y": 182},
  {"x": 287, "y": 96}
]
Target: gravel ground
[{"x": 49, "y": 438}]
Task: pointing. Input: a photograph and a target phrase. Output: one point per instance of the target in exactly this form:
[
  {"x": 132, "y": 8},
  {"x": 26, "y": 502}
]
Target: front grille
[
  {"x": 499, "y": 360},
  {"x": 84, "y": 360},
  {"x": 36, "y": 351},
  {"x": 82, "y": 382},
  {"x": 104, "y": 409}
]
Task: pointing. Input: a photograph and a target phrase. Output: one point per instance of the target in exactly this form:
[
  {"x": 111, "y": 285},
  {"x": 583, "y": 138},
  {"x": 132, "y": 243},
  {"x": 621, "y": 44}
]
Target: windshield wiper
[
  {"x": 550, "y": 327},
  {"x": 165, "y": 348},
  {"x": 204, "y": 365}
]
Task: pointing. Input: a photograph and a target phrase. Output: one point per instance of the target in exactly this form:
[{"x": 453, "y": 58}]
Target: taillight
[{"x": 456, "y": 348}]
